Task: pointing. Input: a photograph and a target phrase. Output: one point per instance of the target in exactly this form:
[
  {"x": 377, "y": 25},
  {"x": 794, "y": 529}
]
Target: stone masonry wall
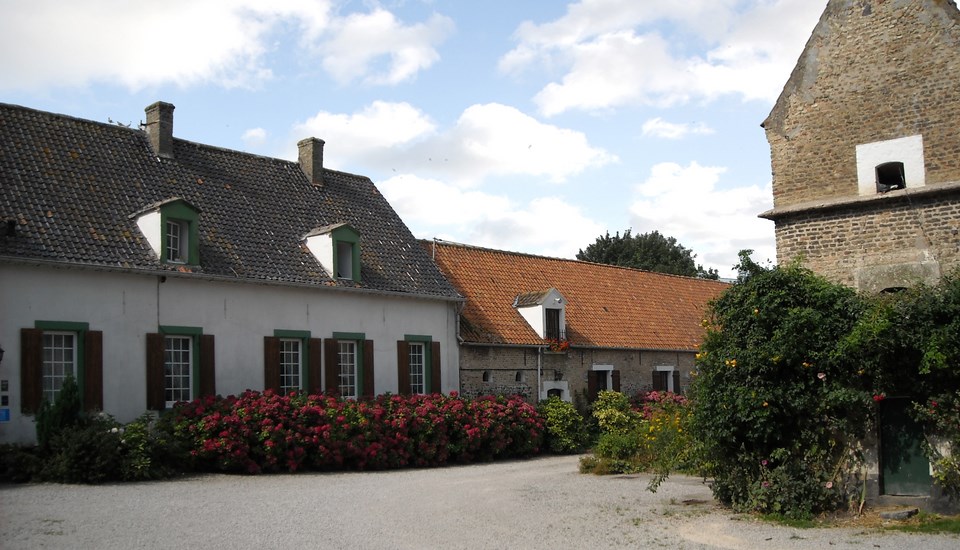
[
  {"x": 844, "y": 244},
  {"x": 513, "y": 370},
  {"x": 879, "y": 70}
]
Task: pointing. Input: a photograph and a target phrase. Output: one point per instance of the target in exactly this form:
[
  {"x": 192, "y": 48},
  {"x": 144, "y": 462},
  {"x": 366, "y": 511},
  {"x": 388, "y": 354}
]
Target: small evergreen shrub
[
  {"x": 64, "y": 413},
  {"x": 565, "y": 432}
]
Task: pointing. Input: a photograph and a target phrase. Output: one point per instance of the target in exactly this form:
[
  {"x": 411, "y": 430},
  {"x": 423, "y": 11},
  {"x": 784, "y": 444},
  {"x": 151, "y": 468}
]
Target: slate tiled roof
[
  {"x": 606, "y": 306},
  {"x": 70, "y": 187}
]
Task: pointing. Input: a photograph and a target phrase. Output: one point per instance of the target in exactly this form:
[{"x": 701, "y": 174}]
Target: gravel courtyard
[{"x": 540, "y": 503}]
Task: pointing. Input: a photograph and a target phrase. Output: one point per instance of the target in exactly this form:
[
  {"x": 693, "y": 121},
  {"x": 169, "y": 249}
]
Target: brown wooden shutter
[
  {"x": 271, "y": 363},
  {"x": 314, "y": 369},
  {"x": 31, "y": 370},
  {"x": 156, "y": 397},
  {"x": 592, "y": 387},
  {"x": 403, "y": 367},
  {"x": 332, "y": 366},
  {"x": 676, "y": 382},
  {"x": 658, "y": 381},
  {"x": 368, "y": 386},
  {"x": 615, "y": 378},
  {"x": 93, "y": 371},
  {"x": 435, "y": 365},
  {"x": 208, "y": 374}
]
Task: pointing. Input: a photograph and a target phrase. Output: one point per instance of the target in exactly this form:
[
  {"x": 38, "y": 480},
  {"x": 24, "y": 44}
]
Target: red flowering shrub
[{"x": 267, "y": 432}]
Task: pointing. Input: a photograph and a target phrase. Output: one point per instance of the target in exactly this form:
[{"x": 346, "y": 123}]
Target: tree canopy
[{"x": 650, "y": 251}]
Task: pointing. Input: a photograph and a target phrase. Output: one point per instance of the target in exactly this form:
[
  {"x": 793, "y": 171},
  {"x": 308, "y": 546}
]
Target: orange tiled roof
[{"x": 607, "y": 306}]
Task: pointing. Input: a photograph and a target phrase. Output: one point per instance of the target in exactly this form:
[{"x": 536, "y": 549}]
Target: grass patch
[
  {"x": 928, "y": 523},
  {"x": 802, "y": 523}
]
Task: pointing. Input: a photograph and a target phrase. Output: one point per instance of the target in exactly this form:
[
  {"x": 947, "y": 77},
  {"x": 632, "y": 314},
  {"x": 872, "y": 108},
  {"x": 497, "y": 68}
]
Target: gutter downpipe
[{"x": 539, "y": 369}]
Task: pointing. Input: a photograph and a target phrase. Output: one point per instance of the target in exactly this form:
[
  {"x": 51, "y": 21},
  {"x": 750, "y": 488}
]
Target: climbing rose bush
[
  {"x": 267, "y": 432},
  {"x": 779, "y": 410}
]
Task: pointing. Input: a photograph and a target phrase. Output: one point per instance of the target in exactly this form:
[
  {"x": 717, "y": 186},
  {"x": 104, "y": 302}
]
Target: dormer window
[
  {"x": 337, "y": 248},
  {"x": 171, "y": 228},
  {"x": 344, "y": 261},
  {"x": 174, "y": 242},
  {"x": 553, "y": 331},
  {"x": 884, "y": 166},
  {"x": 545, "y": 312}
]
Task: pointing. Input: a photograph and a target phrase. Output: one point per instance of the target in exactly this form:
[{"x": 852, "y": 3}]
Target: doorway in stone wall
[{"x": 904, "y": 468}]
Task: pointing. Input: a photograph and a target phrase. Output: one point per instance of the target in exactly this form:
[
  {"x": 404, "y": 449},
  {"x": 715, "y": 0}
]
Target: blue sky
[{"x": 532, "y": 126}]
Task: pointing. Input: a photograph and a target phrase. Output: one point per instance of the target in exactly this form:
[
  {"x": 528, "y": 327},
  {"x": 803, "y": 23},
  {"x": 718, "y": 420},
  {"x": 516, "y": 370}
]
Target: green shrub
[
  {"x": 88, "y": 453},
  {"x": 619, "y": 446},
  {"x": 565, "y": 431},
  {"x": 147, "y": 451},
  {"x": 18, "y": 464},
  {"x": 778, "y": 408},
  {"x": 64, "y": 413},
  {"x": 613, "y": 413}
]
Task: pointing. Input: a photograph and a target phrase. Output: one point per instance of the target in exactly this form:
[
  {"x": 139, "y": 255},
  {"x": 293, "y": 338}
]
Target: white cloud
[
  {"x": 657, "y": 127},
  {"x": 254, "y": 137},
  {"x": 192, "y": 42},
  {"x": 685, "y": 202},
  {"x": 614, "y": 53},
  {"x": 368, "y": 134},
  {"x": 487, "y": 141},
  {"x": 546, "y": 225},
  {"x": 360, "y": 39}
]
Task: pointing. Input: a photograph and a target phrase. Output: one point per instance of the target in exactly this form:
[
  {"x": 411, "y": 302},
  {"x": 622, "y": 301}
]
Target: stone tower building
[{"x": 865, "y": 145}]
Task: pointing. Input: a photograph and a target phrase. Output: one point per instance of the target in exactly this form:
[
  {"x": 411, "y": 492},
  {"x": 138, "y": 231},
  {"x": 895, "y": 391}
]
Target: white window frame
[
  {"x": 174, "y": 388},
  {"x": 347, "y": 366},
  {"x": 182, "y": 236},
  {"x": 291, "y": 364},
  {"x": 418, "y": 367},
  {"x": 56, "y": 364}
]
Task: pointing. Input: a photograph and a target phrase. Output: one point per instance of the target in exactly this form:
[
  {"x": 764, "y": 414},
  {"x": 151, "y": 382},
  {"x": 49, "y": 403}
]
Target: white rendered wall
[
  {"x": 321, "y": 246},
  {"x": 127, "y": 307},
  {"x": 908, "y": 150},
  {"x": 149, "y": 225}
]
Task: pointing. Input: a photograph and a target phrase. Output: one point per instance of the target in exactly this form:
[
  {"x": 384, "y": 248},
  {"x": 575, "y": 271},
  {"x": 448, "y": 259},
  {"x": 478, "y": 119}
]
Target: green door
[{"x": 905, "y": 470}]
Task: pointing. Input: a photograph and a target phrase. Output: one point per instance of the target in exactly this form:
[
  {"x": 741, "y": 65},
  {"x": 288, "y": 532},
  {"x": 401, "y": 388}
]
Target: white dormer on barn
[{"x": 545, "y": 312}]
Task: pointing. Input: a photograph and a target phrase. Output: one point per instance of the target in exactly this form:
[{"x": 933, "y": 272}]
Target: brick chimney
[
  {"x": 311, "y": 159},
  {"x": 160, "y": 128}
]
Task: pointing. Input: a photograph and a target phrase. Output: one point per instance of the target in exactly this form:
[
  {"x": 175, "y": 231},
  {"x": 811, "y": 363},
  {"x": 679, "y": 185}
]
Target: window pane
[
  {"x": 347, "y": 359},
  {"x": 417, "y": 379},
  {"x": 290, "y": 365},
  {"x": 177, "y": 368},
  {"x": 59, "y": 361},
  {"x": 174, "y": 239}
]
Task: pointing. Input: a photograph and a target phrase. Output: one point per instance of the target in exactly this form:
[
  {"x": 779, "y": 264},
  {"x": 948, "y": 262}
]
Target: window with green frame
[
  {"x": 291, "y": 361},
  {"x": 180, "y": 366},
  {"x": 179, "y": 227},
  {"x": 418, "y": 365},
  {"x": 51, "y": 352},
  {"x": 348, "y": 363},
  {"x": 346, "y": 253}
]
